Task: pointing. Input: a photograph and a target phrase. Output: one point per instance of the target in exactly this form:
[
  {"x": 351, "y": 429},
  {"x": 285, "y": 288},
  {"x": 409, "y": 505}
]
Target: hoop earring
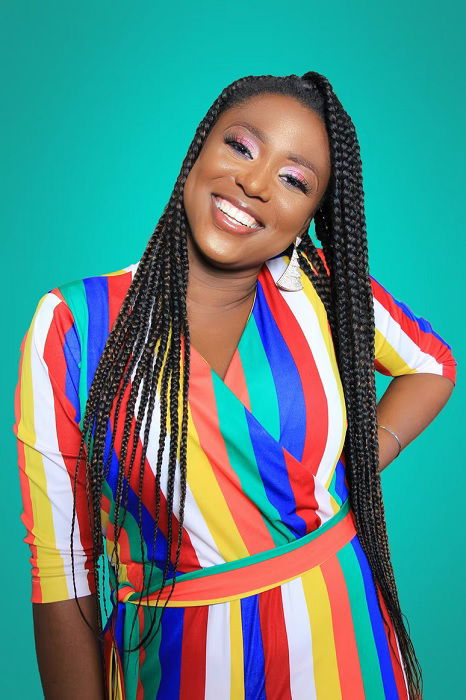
[{"x": 290, "y": 280}]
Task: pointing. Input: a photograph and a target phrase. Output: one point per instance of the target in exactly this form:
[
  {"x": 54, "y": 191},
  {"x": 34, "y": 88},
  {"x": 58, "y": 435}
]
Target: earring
[{"x": 290, "y": 280}]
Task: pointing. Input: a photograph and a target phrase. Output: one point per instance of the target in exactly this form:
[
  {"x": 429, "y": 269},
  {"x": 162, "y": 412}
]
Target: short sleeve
[
  {"x": 48, "y": 440},
  {"x": 406, "y": 343}
]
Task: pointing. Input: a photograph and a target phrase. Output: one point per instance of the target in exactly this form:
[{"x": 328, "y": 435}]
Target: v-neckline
[{"x": 233, "y": 358}]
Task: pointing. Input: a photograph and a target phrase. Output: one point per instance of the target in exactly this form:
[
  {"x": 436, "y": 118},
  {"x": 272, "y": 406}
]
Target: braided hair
[{"x": 147, "y": 355}]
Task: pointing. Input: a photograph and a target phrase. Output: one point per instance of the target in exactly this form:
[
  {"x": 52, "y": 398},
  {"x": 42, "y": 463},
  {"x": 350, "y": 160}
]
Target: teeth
[{"x": 236, "y": 213}]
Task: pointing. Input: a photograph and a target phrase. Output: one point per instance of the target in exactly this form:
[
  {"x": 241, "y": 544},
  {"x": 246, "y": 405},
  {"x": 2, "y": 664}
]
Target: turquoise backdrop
[{"x": 100, "y": 103}]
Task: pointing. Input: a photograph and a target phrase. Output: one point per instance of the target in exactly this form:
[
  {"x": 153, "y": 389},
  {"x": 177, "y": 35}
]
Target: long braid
[
  {"x": 354, "y": 333},
  {"x": 146, "y": 360}
]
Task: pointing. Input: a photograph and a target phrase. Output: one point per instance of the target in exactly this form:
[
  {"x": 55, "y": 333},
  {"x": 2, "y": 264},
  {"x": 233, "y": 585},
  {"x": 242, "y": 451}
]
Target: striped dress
[{"x": 274, "y": 596}]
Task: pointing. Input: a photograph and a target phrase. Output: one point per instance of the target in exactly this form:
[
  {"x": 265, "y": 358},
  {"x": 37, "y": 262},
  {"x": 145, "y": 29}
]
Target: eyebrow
[{"x": 295, "y": 157}]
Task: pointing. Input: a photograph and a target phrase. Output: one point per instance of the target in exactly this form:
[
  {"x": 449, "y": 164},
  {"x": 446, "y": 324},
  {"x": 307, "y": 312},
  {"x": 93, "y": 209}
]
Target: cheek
[{"x": 291, "y": 214}]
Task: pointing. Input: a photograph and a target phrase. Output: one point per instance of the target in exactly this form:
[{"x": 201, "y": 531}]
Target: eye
[
  {"x": 237, "y": 145},
  {"x": 300, "y": 184}
]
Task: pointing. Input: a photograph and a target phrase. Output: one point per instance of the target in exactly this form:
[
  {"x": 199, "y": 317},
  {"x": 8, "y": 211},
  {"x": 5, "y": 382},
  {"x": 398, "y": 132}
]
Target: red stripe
[
  {"x": 68, "y": 432},
  {"x": 193, "y": 653},
  {"x": 275, "y": 644},
  {"x": 427, "y": 342},
  {"x": 349, "y": 668},
  {"x": 259, "y": 575},
  {"x": 313, "y": 389},
  {"x": 118, "y": 286},
  {"x": 248, "y": 520},
  {"x": 27, "y": 516},
  {"x": 303, "y": 487},
  {"x": 235, "y": 380},
  {"x": 322, "y": 257},
  {"x": 188, "y": 558}
]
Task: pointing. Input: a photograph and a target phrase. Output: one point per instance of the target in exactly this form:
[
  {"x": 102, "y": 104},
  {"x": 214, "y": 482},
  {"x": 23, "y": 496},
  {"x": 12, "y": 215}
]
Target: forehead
[{"x": 286, "y": 123}]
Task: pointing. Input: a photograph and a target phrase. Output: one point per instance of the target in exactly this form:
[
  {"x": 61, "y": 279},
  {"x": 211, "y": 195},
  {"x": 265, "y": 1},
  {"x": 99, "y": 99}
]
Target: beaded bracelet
[{"x": 395, "y": 436}]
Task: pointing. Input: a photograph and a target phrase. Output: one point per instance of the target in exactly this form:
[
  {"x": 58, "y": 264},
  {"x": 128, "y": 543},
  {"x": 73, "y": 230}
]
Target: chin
[{"x": 219, "y": 252}]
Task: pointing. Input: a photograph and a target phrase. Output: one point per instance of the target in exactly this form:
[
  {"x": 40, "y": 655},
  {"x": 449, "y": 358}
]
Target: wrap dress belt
[{"x": 248, "y": 575}]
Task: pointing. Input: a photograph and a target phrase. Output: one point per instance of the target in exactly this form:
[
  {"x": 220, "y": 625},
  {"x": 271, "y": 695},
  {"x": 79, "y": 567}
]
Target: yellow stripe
[
  {"x": 236, "y": 652},
  {"x": 386, "y": 354},
  {"x": 48, "y": 559},
  {"x": 326, "y": 675},
  {"x": 210, "y": 499}
]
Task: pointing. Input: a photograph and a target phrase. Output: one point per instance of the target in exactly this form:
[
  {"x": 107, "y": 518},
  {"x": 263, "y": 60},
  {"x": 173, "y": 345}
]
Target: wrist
[{"x": 389, "y": 445}]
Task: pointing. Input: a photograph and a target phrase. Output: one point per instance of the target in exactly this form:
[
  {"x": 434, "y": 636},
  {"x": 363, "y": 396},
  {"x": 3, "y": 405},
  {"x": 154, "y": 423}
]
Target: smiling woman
[{"x": 207, "y": 417}]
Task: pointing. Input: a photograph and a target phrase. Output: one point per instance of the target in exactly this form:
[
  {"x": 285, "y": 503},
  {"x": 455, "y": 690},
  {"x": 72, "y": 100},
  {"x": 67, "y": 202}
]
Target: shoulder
[
  {"x": 81, "y": 305},
  {"x": 96, "y": 296}
]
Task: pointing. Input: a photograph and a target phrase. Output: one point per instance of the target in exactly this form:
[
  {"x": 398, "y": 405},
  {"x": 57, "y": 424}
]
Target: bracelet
[{"x": 395, "y": 436}]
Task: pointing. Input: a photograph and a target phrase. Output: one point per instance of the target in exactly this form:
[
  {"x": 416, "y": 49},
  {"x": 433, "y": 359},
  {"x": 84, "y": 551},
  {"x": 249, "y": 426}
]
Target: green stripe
[
  {"x": 367, "y": 650},
  {"x": 260, "y": 556},
  {"x": 151, "y": 670},
  {"x": 130, "y": 527},
  {"x": 259, "y": 380},
  {"x": 234, "y": 428},
  {"x": 332, "y": 488},
  {"x": 131, "y": 658},
  {"x": 74, "y": 294}
]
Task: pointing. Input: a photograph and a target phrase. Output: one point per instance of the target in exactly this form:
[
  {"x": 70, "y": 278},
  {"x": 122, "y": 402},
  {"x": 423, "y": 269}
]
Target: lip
[
  {"x": 222, "y": 221},
  {"x": 241, "y": 205}
]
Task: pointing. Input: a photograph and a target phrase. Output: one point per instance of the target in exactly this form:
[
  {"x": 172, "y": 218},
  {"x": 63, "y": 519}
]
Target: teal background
[{"x": 100, "y": 103}]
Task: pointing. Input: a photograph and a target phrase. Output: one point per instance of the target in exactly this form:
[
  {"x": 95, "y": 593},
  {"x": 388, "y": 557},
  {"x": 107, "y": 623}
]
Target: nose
[{"x": 254, "y": 178}]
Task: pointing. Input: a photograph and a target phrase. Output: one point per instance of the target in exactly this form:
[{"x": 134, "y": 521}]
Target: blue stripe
[
  {"x": 274, "y": 474},
  {"x": 377, "y": 622},
  {"x": 161, "y": 549},
  {"x": 98, "y": 329},
  {"x": 120, "y": 613},
  {"x": 291, "y": 402},
  {"x": 72, "y": 352},
  {"x": 340, "y": 485},
  {"x": 253, "y": 654},
  {"x": 423, "y": 324},
  {"x": 170, "y": 653}
]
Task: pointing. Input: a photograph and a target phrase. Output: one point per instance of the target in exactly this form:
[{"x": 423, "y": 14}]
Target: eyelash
[{"x": 230, "y": 140}]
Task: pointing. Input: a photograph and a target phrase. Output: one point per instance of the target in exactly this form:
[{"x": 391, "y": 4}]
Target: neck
[{"x": 212, "y": 290}]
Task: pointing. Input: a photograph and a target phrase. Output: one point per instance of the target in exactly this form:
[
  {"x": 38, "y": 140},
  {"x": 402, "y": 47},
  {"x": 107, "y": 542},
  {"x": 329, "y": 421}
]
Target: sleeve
[
  {"x": 406, "y": 343},
  {"x": 48, "y": 440}
]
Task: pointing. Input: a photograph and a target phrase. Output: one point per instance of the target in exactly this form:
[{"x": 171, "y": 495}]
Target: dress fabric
[{"x": 274, "y": 595}]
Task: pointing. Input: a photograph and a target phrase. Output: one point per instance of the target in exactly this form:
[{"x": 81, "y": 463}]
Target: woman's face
[{"x": 269, "y": 158}]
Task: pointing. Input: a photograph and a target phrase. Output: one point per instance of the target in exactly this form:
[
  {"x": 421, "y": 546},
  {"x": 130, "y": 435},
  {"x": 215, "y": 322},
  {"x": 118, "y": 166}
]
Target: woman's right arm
[
  {"x": 47, "y": 409},
  {"x": 68, "y": 654}
]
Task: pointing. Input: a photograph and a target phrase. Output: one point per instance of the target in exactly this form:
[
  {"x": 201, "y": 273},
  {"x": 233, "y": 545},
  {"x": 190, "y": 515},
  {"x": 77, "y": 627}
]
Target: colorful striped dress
[{"x": 274, "y": 596}]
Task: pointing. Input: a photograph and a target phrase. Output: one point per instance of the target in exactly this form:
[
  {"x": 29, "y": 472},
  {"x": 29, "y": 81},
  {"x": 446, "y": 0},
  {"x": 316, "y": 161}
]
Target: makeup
[{"x": 228, "y": 223}]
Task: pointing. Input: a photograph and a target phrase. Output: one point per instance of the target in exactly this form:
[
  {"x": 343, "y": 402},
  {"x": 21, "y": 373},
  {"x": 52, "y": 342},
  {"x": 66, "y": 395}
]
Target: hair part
[{"x": 147, "y": 354}]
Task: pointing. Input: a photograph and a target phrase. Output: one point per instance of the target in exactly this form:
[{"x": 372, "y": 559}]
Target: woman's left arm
[
  {"x": 409, "y": 404},
  {"x": 423, "y": 368}
]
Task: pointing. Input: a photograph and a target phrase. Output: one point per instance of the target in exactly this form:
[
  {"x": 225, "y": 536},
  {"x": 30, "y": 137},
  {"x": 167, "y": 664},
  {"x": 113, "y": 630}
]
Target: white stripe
[
  {"x": 307, "y": 319},
  {"x": 218, "y": 656},
  {"x": 298, "y": 632},
  {"x": 194, "y": 522},
  {"x": 58, "y": 483},
  {"x": 408, "y": 350}
]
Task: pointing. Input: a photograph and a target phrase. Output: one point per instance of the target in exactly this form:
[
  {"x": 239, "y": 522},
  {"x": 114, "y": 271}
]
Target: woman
[{"x": 212, "y": 410}]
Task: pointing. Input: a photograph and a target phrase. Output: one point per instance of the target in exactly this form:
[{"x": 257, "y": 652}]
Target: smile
[{"x": 235, "y": 215}]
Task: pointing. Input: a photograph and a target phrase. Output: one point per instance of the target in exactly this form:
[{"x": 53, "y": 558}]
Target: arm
[
  {"x": 67, "y": 650},
  {"x": 48, "y": 439},
  {"x": 408, "y": 405},
  {"x": 423, "y": 368}
]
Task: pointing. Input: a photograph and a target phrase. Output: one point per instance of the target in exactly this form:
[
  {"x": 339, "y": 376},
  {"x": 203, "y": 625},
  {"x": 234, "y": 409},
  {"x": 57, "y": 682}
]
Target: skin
[
  {"x": 67, "y": 652},
  {"x": 222, "y": 279}
]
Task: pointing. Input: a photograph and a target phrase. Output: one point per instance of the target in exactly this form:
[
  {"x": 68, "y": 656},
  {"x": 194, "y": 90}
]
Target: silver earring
[{"x": 290, "y": 280}]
